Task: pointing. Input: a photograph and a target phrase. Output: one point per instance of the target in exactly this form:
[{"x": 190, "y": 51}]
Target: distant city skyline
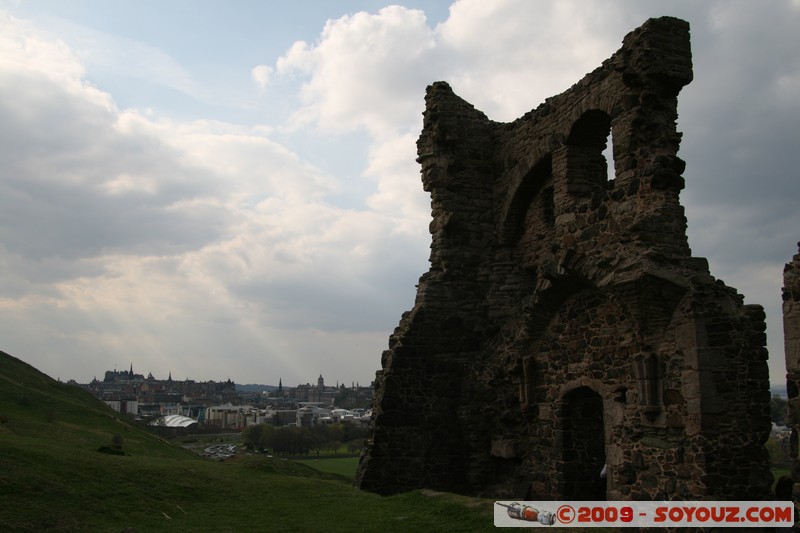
[
  {"x": 229, "y": 190},
  {"x": 133, "y": 371}
]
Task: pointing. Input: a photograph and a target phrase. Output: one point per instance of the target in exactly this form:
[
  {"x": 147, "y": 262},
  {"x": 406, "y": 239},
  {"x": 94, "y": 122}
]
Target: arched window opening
[
  {"x": 590, "y": 153},
  {"x": 608, "y": 155},
  {"x": 533, "y": 202},
  {"x": 583, "y": 453}
]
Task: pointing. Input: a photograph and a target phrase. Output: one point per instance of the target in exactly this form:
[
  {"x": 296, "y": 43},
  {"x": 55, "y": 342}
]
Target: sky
[{"x": 228, "y": 190}]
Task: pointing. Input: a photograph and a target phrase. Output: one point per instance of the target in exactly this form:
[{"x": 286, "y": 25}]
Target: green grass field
[
  {"x": 342, "y": 466},
  {"x": 52, "y": 478}
]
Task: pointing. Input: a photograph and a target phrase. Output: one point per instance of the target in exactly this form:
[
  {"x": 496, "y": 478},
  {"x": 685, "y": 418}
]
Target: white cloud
[
  {"x": 37, "y": 52},
  {"x": 363, "y": 71},
  {"x": 195, "y": 244},
  {"x": 132, "y": 234},
  {"x": 392, "y": 163},
  {"x": 126, "y": 184},
  {"x": 507, "y": 56},
  {"x": 261, "y": 75}
]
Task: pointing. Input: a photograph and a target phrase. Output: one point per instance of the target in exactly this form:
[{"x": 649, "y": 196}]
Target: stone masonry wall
[
  {"x": 791, "y": 339},
  {"x": 563, "y": 323}
]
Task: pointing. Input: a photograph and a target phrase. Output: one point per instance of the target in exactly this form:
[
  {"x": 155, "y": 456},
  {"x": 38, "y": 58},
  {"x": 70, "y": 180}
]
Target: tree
[
  {"x": 352, "y": 432},
  {"x": 320, "y": 437},
  {"x": 280, "y": 440},
  {"x": 252, "y": 436},
  {"x": 336, "y": 433},
  {"x": 778, "y": 449},
  {"x": 257, "y": 437},
  {"x": 302, "y": 441},
  {"x": 355, "y": 445},
  {"x": 777, "y": 409}
]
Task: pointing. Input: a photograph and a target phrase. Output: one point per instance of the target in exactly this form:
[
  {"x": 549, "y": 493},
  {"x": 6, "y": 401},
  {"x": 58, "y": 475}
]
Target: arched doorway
[{"x": 583, "y": 454}]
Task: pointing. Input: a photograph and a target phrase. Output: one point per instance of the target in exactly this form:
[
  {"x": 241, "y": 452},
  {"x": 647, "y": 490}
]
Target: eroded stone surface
[
  {"x": 791, "y": 340},
  {"x": 563, "y": 323}
]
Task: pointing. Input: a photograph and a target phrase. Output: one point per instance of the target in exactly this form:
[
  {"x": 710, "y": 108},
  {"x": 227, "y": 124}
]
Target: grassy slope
[
  {"x": 52, "y": 478},
  {"x": 343, "y": 466}
]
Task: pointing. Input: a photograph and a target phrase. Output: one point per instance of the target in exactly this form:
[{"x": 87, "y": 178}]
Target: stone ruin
[
  {"x": 564, "y": 324},
  {"x": 791, "y": 339}
]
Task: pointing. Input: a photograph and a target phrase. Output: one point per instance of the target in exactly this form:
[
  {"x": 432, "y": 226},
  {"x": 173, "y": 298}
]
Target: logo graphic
[{"x": 529, "y": 514}]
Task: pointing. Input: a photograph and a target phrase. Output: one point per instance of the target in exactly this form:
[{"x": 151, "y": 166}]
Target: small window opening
[{"x": 608, "y": 154}]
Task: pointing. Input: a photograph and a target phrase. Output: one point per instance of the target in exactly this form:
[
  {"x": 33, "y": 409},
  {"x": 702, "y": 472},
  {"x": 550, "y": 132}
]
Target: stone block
[{"x": 505, "y": 448}]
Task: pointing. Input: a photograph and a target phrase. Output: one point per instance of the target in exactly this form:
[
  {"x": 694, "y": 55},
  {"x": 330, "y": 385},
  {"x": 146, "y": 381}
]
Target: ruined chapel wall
[
  {"x": 791, "y": 340},
  {"x": 694, "y": 426},
  {"x": 724, "y": 351},
  {"x": 552, "y": 287},
  {"x": 416, "y": 438},
  {"x": 639, "y": 206}
]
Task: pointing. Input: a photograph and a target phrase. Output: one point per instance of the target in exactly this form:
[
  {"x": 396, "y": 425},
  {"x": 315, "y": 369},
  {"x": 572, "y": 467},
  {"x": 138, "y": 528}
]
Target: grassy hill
[{"x": 53, "y": 478}]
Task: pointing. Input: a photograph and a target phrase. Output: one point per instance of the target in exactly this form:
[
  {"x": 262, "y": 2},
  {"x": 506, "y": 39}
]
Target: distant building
[
  {"x": 220, "y": 404},
  {"x": 128, "y": 407},
  {"x": 310, "y": 415},
  {"x": 174, "y": 421},
  {"x": 351, "y": 397},
  {"x": 227, "y": 416}
]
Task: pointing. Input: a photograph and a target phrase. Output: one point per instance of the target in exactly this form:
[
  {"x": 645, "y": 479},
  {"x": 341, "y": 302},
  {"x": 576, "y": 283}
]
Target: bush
[
  {"x": 778, "y": 448},
  {"x": 111, "y": 451},
  {"x": 356, "y": 445}
]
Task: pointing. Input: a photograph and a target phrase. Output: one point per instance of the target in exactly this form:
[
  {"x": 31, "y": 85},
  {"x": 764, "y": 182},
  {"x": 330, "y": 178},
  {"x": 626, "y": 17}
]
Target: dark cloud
[
  {"x": 740, "y": 119},
  {"x": 41, "y": 220},
  {"x": 64, "y": 162},
  {"x": 353, "y": 294}
]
